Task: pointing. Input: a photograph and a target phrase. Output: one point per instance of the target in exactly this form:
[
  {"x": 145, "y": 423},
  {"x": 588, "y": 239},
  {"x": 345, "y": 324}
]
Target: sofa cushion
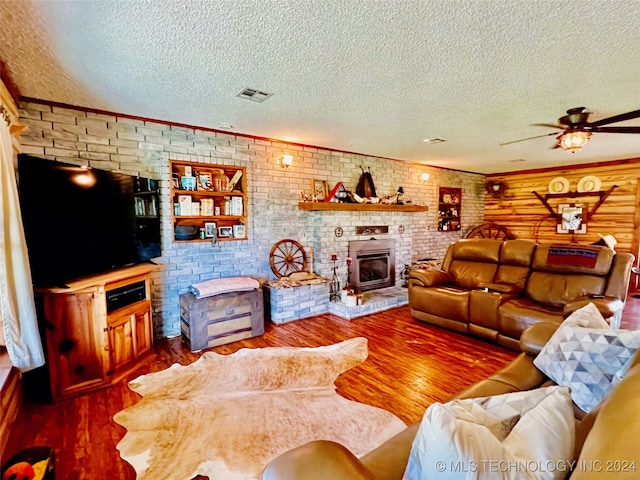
[
  {"x": 517, "y": 252},
  {"x": 589, "y": 360},
  {"x": 515, "y": 264},
  {"x": 478, "y": 435},
  {"x": 472, "y": 261},
  {"x": 446, "y": 302},
  {"x": 477, "y": 250},
  {"x": 516, "y": 315},
  {"x": 545, "y": 260},
  {"x": 558, "y": 289}
]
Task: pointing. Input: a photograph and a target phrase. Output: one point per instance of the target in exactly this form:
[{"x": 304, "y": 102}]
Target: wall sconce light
[
  {"x": 423, "y": 177},
  {"x": 285, "y": 161},
  {"x": 496, "y": 189}
]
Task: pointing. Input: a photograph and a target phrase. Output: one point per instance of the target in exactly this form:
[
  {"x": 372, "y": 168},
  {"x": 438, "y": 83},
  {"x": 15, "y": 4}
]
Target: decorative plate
[
  {"x": 590, "y": 183},
  {"x": 559, "y": 185},
  {"x": 338, "y": 232},
  {"x": 400, "y": 228}
]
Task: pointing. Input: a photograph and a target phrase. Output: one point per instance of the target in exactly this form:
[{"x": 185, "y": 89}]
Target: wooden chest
[{"x": 221, "y": 319}]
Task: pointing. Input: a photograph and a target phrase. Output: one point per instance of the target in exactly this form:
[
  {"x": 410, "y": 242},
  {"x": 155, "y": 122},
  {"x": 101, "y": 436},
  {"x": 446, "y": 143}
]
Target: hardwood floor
[{"x": 411, "y": 365}]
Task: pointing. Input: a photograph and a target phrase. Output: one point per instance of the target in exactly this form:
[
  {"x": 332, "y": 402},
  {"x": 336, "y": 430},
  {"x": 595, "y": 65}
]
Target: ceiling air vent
[{"x": 254, "y": 95}]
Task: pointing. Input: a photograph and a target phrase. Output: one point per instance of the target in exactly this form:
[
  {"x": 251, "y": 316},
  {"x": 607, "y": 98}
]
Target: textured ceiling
[{"x": 367, "y": 76}]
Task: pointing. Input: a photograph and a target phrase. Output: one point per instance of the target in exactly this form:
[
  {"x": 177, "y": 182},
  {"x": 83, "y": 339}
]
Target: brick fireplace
[
  {"x": 331, "y": 232},
  {"x": 373, "y": 264}
]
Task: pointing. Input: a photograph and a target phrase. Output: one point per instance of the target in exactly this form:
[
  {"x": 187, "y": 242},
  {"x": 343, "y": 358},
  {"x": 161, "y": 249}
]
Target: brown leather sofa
[
  {"x": 496, "y": 289},
  {"x": 605, "y": 444}
]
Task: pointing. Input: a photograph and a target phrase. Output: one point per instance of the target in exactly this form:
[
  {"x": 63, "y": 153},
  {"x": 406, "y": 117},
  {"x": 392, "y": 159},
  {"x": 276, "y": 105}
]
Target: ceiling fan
[{"x": 576, "y": 130}]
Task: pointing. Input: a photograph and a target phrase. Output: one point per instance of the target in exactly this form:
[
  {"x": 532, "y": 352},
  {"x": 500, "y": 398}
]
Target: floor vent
[{"x": 254, "y": 95}]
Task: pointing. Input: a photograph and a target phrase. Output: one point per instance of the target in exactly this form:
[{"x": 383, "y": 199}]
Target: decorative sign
[{"x": 571, "y": 220}]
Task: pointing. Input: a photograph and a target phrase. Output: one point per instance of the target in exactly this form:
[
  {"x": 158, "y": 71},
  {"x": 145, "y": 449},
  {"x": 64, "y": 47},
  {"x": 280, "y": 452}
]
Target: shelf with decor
[
  {"x": 360, "y": 207},
  {"x": 449, "y": 209},
  {"x": 209, "y": 202}
]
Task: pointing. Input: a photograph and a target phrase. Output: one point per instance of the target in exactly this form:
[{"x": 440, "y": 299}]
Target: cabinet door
[
  {"x": 75, "y": 339},
  {"x": 143, "y": 331},
  {"x": 121, "y": 351},
  {"x": 129, "y": 335}
]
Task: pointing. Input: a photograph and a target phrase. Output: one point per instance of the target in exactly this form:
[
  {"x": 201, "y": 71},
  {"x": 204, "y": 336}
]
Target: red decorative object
[{"x": 333, "y": 191}]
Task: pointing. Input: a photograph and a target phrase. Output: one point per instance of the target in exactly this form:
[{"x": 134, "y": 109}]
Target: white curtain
[{"x": 17, "y": 307}]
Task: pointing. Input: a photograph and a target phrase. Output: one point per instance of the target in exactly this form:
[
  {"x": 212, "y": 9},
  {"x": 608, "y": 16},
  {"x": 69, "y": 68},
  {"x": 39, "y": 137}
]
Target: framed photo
[
  {"x": 210, "y": 229},
  {"x": 570, "y": 219},
  {"x": 319, "y": 189},
  {"x": 239, "y": 231},
  {"x": 225, "y": 231},
  {"x": 205, "y": 181},
  {"x": 188, "y": 183}
]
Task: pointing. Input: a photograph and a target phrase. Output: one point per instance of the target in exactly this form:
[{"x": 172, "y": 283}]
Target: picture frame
[
  {"x": 188, "y": 183},
  {"x": 570, "y": 219},
  {"x": 239, "y": 231},
  {"x": 320, "y": 190},
  {"x": 225, "y": 231},
  {"x": 205, "y": 181},
  {"x": 210, "y": 229}
]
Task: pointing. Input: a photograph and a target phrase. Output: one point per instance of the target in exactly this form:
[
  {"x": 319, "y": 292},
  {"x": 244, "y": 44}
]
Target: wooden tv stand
[{"x": 89, "y": 345}]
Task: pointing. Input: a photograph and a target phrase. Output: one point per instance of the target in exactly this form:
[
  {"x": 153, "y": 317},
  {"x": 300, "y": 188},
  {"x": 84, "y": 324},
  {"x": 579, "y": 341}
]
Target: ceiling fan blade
[
  {"x": 616, "y": 118},
  {"x": 617, "y": 129},
  {"x": 529, "y": 138},
  {"x": 550, "y": 125}
]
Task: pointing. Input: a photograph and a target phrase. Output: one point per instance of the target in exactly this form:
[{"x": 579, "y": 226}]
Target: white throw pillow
[
  {"x": 588, "y": 316},
  {"x": 589, "y": 360},
  {"x": 523, "y": 435}
]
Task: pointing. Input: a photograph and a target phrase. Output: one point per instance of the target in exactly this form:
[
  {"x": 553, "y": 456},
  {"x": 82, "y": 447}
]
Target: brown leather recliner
[
  {"x": 605, "y": 443},
  {"x": 496, "y": 289}
]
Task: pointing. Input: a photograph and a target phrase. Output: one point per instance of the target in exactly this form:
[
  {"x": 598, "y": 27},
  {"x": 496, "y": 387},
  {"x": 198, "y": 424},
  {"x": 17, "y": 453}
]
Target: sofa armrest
[
  {"x": 430, "y": 278},
  {"x": 389, "y": 460},
  {"x": 324, "y": 459},
  {"x": 317, "y": 460},
  {"x": 536, "y": 336},
  {"x": 519, "y": 375},
  {"x": 608, "y": 306}
]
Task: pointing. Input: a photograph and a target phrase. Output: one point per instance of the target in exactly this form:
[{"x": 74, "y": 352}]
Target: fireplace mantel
[{"x": 360, "y": 207}]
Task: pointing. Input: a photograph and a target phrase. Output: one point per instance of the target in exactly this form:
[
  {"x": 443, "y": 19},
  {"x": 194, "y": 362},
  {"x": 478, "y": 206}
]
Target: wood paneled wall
[{"x": 526, "y": 216}]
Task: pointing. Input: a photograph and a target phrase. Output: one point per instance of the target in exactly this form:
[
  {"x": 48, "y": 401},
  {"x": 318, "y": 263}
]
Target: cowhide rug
[{"x": 227, "y": 416}]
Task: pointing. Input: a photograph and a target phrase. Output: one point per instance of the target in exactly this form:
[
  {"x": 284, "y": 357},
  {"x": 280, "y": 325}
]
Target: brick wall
[{"x": 140, "y": 147}]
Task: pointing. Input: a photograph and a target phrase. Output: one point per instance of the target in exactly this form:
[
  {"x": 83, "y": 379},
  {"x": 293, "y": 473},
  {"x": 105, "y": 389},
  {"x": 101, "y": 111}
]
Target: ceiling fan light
[{"x": 574, "y": 141}]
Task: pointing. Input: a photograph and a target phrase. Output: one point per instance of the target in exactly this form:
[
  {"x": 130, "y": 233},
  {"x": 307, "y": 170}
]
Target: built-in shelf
[{"x": 360, "y": 207}]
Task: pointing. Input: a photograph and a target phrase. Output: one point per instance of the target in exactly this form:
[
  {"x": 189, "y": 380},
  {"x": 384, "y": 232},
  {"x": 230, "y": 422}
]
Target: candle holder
[
  {"x": 347, "y": 285},
  {"x": 334, "y": 286}
]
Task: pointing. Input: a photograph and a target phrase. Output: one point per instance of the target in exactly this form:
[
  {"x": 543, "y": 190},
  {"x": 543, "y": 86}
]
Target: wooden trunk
[{"x": 221, "y": 319}]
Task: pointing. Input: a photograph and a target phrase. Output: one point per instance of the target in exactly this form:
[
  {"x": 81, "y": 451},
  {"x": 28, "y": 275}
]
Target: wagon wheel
[
  {"x": 491, "y": 230},
  {"x": 286, "y": 257}
]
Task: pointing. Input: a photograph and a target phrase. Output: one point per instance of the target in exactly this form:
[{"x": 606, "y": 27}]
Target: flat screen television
[{"x": 80, "y": 222}]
